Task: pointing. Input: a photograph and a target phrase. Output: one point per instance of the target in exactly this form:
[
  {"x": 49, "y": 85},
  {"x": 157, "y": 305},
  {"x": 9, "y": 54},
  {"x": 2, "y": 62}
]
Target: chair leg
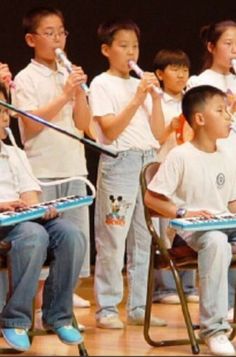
[
  {"x": 192, "y": 339},
  {"x": 185, "y": 309},
  {"x": 81, "y": 346}
]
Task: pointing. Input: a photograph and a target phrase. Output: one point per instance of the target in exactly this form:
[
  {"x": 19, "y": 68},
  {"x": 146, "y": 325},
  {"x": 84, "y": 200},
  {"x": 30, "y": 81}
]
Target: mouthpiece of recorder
[
  {"x": 233, "y": 64},
  {"x": 133, "y": 65}
]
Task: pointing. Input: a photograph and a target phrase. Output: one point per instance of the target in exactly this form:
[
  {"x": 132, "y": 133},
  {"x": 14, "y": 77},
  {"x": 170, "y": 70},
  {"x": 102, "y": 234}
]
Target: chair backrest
[{"x": 181, "y": 254}]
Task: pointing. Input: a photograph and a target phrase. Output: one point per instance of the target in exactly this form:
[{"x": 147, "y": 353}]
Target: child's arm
[
  {"x": 113, "y": 125},
  {"x": 82, "y": 114},
  {"x": 166, "y": 208},
  {"x": 157, "y": 121},
  {"x": 51, "y": 109}
]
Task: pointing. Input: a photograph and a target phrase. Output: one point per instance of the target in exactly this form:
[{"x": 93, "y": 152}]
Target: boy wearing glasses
[{"x": 45, "y": 88}]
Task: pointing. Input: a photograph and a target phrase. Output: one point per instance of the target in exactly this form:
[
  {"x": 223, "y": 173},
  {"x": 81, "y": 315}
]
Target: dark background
[{"x": 163, "y": 24}]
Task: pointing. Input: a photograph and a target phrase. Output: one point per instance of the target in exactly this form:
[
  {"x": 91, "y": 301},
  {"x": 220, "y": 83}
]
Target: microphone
[
  {"x": 68, "y": 65},
  {"x": 140, "y": 73},
  {"x": 233, "y": 64}
]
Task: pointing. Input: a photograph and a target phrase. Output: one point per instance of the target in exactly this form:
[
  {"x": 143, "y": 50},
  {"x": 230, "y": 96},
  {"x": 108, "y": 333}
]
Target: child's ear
[
  {"x": 210, "y": 47},
  {"x": 105, "y": 49},
  {"x": 199, "y": 119},
  {"x": 159, "y": 74},
  {"x": 29, "y": 39}
]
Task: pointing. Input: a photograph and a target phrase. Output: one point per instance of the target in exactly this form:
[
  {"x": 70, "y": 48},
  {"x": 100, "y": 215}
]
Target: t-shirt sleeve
[
  {"x": 24, "y": 95},
  {"x": 168, "y": 177},
  {"x": 99, "y": 99},
  {"x": 27, "y": 180}
]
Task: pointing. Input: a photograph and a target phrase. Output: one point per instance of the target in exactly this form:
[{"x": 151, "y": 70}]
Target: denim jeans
[
  {"x": 79, "y": 216},
  {"x": 65, "y": 247},
  {"x": 214, "y": 256},
  {"x": 120, "y": 226}
]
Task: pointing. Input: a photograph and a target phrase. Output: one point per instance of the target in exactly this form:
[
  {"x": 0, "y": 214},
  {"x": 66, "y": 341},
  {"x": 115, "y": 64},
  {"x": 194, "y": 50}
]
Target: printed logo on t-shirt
[{"x": 220, "y": 180}]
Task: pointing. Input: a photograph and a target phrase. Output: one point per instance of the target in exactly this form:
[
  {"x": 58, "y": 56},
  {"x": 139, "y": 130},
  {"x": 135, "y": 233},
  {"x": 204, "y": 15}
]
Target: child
[
  {"x": 174, "y": 192},
  {"x": 46, "y": 89},
  {"x": 219, "y": 40},
  {"x": 57, "y": 238},
  {"x": 128, "y": 116},
  {"x": 172, "y": 70}
]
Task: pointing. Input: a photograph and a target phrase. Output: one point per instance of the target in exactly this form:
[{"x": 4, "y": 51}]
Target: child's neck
[
  {"x": 50, "y": 64},
  {"x": 174, "y": 95},
  {"x": 202, "y": 143},
  {"x": 116, "y": 73},
  {"x": 220, "y": 69}
]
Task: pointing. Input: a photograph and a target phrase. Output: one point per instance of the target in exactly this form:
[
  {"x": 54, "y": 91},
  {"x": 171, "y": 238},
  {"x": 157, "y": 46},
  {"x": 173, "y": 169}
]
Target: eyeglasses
[{"x": 52, "y": 34}]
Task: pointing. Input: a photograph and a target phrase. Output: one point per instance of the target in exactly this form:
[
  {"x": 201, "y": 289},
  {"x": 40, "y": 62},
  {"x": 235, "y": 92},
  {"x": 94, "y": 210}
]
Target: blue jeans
[
  {"x": 65, "y": 247},
  {"x": 120, "y": 226},
  {"x": 214, "y": 256},
  {"x": 79, "y": 216}
]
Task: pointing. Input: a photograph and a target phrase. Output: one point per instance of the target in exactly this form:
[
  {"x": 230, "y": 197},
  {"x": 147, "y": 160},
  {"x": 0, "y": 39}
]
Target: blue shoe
[
  {"x": 69, "y": 335},
  {"x": 16, "y": 338}
]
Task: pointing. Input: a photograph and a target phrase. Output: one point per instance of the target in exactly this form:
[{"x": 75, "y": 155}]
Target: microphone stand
[{"x": 90, "y": 143}]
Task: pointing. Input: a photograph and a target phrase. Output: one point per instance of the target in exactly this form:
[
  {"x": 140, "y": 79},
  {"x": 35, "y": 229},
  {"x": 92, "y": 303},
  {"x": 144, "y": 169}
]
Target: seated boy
[
  {"x": 31, "y": 243},
  {"x": 198, "y": 178}
]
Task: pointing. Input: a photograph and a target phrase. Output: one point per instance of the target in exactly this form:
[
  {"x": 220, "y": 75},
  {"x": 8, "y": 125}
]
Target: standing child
[
  {"x": 219, "y": 40},
  {"x": 174, "y": 192},
  {"x": 127, "y": 112},
  {"x": 172, "y": 70},
  {"x": 44, "y": 88}
]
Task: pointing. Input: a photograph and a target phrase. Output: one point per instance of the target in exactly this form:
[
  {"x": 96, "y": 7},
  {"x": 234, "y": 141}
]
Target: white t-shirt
[
  {"x": 51, "y": 153},
  {"x": 171, "y": 108},
  {"x": 197, "y": 180},
  {"x": 109, "y": 95},
  {"x": 224, "y": 82},
  {"x": 15, "y": 178}
]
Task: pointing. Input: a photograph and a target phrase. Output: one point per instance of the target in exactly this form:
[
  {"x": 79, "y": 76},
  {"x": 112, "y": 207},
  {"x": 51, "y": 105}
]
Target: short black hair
[
  {"x": 166, "y": 57},
  {"x": 107, "y": 30},
  {"x": 33, "y": 17},
  {"x": 195, "y": 99}
]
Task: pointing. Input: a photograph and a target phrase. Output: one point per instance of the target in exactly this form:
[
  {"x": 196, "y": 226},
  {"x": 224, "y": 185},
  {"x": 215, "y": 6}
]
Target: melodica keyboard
[
  {"x": 224, "y": 221},
  {"x": 36, "y": 211}
]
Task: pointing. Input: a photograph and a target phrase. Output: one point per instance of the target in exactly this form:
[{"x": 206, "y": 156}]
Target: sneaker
[
  {"x": 169, "y": 299},
  {"x": 219, "y": 345},
  {"x": 78, "y": 301},
  {"x": 111, "y": 321},
  {"x": 139, "y": 320},
  {"x": 69, "y": 335},
  {"x": 38, "y": 323},
  {"x": 192, "y": 298},
  {"x": 230, "y": 315},
  {"x": 16, "y": 338}
]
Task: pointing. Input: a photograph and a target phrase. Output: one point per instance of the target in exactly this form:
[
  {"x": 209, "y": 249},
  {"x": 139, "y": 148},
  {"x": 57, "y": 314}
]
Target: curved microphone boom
[
  {"x": 140, "y": 73},
  {"x": 92, "y": 144},
  {"x": 68, "y": 65}
]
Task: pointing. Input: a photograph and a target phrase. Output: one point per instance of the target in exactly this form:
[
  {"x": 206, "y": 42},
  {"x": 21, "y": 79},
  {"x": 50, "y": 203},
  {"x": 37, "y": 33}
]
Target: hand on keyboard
[
  {"x": 50, "y": 213},
  {"x": 12, "y": 206}
]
